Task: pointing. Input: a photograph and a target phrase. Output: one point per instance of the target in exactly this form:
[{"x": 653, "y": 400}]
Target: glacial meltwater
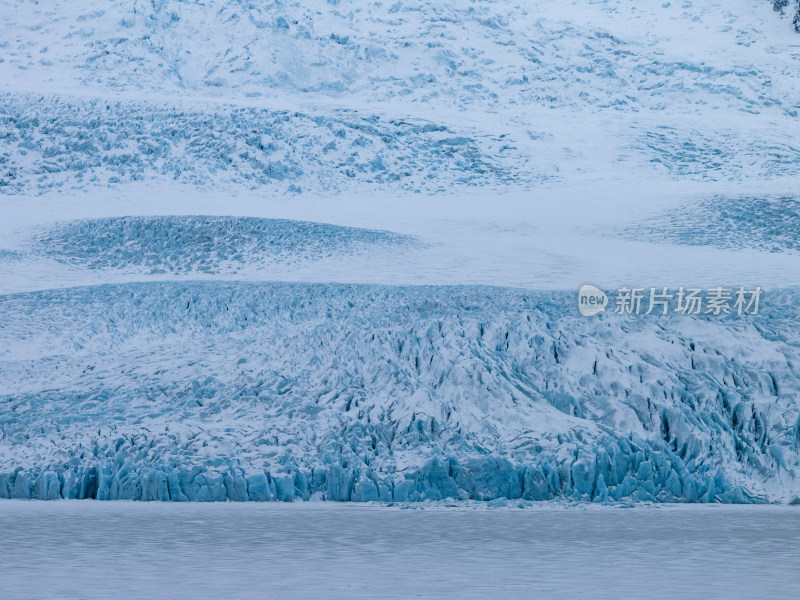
[{"x": 91, "y": 549}]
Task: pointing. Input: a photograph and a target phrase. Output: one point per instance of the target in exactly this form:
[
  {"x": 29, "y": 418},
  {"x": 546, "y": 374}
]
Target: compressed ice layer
[
  {"x": 208, "y": 244},
  {"x": 234, "y": 391}
]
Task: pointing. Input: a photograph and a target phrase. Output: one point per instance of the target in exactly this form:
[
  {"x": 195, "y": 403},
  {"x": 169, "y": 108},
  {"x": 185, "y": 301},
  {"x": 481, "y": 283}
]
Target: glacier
[
  {"x": 289, "y": 251},
  {"x": 214, "y": 391}
]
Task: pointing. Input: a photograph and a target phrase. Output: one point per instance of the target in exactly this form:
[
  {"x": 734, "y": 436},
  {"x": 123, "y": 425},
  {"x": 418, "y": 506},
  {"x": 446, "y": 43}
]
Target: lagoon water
[{"x": 90, "y": 549}]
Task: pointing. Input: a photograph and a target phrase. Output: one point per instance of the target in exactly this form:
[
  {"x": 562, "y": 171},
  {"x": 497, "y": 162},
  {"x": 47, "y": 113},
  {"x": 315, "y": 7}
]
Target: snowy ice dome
[{"x": 291, "y": 251}]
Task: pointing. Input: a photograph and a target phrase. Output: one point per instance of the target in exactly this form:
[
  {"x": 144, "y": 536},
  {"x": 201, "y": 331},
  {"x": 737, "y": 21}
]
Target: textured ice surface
[
  {"x": 211, "y": 391},
  {"x": 408, "y": 95},
  {"x": 695, "y": 153},
  {"x": 206, "y": 244},
  {"x": 50, "y": 143},
  {"x": 470, "y": 53},
  {"x": 764, "y": 223}
]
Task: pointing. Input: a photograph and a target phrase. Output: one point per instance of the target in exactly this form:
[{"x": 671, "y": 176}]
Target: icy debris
[{"x": 370, "y": 393}]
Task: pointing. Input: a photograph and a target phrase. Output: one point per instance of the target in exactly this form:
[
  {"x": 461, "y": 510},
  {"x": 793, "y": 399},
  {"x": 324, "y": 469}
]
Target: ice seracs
[{"x": 233, "y": 391}]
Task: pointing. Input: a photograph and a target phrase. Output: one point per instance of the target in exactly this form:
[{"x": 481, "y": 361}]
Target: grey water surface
[{"x": 91, "y": 549}]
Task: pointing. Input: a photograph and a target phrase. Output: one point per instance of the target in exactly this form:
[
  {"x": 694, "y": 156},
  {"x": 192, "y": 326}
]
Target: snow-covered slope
[
  {"x": 407, "y": 94},
  {"x": 470, "y": 53},
  {"x": 217, "y": 165}
]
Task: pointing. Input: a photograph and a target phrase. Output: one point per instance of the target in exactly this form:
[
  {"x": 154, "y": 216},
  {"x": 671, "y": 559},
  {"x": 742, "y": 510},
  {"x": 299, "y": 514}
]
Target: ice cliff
[{"x": 215, "y": 391}]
